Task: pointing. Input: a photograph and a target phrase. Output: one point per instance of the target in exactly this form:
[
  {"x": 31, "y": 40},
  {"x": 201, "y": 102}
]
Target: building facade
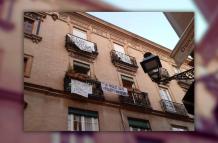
[{"x": 83, "y": 74}]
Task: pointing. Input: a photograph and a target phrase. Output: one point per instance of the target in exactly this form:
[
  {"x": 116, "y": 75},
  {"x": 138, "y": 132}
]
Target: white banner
[
  {"x": 114, "y": 89},
  {"x": 80, "y": 88}
]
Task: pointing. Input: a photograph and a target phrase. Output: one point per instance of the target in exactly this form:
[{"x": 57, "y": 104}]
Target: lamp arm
[{"x": 186, "y": 75}]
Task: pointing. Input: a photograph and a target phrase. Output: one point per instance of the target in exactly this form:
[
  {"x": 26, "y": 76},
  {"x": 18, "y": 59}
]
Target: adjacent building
[{"x": 83, "y": 74}]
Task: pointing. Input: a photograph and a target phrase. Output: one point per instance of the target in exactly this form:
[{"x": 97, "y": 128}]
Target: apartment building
[{"x": 83, "y": 74}]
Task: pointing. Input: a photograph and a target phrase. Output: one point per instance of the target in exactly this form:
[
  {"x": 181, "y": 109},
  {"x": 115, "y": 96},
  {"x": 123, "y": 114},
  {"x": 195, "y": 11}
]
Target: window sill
[{"x": 33, "y": 37}]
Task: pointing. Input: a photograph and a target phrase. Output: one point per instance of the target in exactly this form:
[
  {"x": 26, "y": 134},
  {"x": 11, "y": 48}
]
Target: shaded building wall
[{"x": 51, "y": 61}]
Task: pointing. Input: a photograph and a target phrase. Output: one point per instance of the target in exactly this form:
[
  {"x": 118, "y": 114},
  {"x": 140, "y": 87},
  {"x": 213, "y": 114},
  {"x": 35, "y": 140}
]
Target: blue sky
[{"x": 152, "y": 25}]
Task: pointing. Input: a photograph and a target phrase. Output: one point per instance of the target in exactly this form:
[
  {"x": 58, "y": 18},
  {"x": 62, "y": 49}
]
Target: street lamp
[{"x": 151, "y": 64}]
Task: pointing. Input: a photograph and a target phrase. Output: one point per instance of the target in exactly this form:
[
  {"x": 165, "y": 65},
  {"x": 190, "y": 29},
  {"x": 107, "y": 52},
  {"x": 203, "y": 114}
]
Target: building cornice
[{"x": 48, "y": 91}]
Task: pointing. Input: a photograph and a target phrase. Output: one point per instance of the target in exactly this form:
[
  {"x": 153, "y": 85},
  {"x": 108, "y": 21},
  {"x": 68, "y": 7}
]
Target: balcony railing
[
  {"x": 172, "y": 107},
  {"x": 81, "y": 46},
  {"x": 159, "y": 74},
  {"x": 97, "y": 92},
  {"x": 185, "y": 83},
  {"x": 137, "y": 99},
  {"x": 123, "y": 60}
]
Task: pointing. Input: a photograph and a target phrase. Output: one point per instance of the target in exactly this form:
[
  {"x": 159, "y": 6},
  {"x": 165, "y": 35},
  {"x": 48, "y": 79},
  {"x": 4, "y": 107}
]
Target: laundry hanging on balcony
[
  {"x": 124, "y": 58},
  {"x": 82, "y": 44},
  {"x": 106, "y": 87},
  {"x": 80, "y": 88}
]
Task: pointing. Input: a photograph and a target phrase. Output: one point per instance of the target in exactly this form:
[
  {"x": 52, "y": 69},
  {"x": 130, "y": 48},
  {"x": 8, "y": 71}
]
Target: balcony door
[
  {"x": 164, "y": 94},
  {"x": 121, "y": 53}
]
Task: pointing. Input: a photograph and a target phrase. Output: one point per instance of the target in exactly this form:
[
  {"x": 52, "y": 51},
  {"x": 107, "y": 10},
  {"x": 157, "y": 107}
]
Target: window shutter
[
  {"x": 81, "y": 112},
  {"x": 138, "y": 123},
  {"x": 127, "y": 78}
]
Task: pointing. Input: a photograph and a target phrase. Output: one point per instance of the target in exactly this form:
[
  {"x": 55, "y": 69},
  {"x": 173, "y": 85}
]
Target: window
[
  {"x": 32, "y": 23},
  {"x": 165, "y": 96},
  {"x": 121, "y": 54},
  {"x": 79, "y": 33},
  {"x": 128, "y": 82},
  {"x": 82, "y": 120},
  {"x": 178, "y": 128},
  {"x": 27, "y": 65},
  {"x": 138, "y": 125},
  {"x": 28, "y": 25},
  {"x": 81, "y": 68}
]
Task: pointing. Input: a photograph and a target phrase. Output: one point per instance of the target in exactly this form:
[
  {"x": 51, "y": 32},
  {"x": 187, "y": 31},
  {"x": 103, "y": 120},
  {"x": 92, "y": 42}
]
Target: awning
[
  {"x": 81, "y": 112},
  {"x": 86, "y": 66},
  {"x": 138, "y": 123},
  {"x": 127, "y": 78}
]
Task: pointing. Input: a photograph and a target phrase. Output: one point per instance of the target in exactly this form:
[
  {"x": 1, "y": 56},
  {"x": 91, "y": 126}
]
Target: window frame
[
  {"x": 133, "y": 81},
  {"x": 71, "y": 121},
  {"x": 138, "y": 128},
  {"x": 33, "y": 24},
  {"x": 76, "y": 63},
  {"x": 168, "y": 92},
  {"x": 27, "y": 67}
]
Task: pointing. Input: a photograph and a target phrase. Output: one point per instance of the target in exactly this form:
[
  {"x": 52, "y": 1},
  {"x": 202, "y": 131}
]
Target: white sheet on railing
[
  {"x": 81, "y": 88},
  {"x": 83, "y": 44},
  {"x": 124, "y": 57}
]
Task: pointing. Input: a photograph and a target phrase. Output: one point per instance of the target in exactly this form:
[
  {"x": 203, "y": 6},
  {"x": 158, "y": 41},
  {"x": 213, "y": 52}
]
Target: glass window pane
[{"x": 88, "y": 124}]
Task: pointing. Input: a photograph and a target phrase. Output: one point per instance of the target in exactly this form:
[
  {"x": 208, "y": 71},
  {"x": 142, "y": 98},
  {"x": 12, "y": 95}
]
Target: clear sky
[{"x": 152, "y": 25}]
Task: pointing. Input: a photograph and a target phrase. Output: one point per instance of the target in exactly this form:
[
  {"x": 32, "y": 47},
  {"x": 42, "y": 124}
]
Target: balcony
[
  {"x": 155, "y": 76},
  {"x": 97, "y": 92},
  {"x": 124, "y": 61},
  {"x": 81, "y": 47},
  {"x": 185, "y": 83},
  {"x": 174, "y": 108},
  {"x": 136, "y": 99}
]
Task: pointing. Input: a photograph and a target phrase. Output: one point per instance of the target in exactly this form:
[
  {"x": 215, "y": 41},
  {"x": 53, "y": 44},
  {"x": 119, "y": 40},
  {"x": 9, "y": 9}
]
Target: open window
[
  {"x": 128, "y": 82},
  {"x": 82, "y": 68}
]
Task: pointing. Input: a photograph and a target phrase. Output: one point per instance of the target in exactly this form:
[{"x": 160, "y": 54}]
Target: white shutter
[
  {"x": 119, "y": 48},
  {"x": 79, "y": 33}
]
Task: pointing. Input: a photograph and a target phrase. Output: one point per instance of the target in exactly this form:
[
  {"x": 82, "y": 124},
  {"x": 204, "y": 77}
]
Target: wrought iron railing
[
  {"x": 76, "y": 43},
  {"x": 118, "y": 57},
  {"x": 186, "y": 82},
  {"x": 158, "y": 74},
  {"x": 136, "y": 98},
  {"x": 172, "y": 107},
  {"x": 97, "y": 92}
]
